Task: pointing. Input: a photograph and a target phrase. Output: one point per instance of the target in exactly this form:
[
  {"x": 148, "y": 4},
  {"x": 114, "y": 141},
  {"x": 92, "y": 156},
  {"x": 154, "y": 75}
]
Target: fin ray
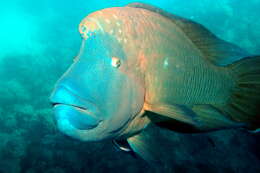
[
  {"x": 144, "y": 145},
  {"x": 211, "y": 118},
  {"x": 176, "y": 112},
  {"x": 244, "y": 103}
]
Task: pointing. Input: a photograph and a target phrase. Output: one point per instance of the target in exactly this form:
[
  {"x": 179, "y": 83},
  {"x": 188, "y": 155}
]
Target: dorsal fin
[{"x": 214, "y": 49}]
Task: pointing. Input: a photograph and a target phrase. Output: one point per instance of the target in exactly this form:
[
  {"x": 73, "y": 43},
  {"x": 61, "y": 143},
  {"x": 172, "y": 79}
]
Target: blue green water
[{"x": 39, "y": 39}]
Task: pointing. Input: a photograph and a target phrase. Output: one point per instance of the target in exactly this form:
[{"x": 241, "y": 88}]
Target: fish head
[{"x": 98, "y": 96}]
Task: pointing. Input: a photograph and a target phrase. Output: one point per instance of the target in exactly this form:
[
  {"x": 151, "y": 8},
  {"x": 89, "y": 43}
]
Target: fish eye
[{"x": 115, "y": 62}]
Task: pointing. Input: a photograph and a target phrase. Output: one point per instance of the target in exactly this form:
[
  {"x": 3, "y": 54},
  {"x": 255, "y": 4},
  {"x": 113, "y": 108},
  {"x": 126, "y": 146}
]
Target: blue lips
[
  {"x": 68, "y": 106},
  {"x": 65, "y": 95},
  {"x": 77, "y": 117}
]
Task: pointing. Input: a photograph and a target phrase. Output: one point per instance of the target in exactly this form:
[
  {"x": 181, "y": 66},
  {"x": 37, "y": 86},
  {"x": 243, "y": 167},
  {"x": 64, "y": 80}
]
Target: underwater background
[{"x": 38, "y": 41}]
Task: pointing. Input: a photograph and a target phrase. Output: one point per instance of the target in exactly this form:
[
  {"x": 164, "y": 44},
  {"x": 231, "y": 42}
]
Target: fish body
[
  {"x": 163, "y": 67},
  {"x": 140, "y": 65}
]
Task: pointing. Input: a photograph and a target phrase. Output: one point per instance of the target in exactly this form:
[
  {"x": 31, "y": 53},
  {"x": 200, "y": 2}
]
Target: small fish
[{"x": 140, "y": 66}]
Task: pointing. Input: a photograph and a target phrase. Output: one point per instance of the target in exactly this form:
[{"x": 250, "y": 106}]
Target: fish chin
[{"x": 87, "y": 135}]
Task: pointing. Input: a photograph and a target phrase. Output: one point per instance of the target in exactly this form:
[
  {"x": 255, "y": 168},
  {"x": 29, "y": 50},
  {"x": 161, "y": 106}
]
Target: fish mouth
[
  {"x": 78, "y": 116},
  {"x": 76, "y": 106},
  {"x": 68, "y": 106},
  {"x": 81, "y": 108}
]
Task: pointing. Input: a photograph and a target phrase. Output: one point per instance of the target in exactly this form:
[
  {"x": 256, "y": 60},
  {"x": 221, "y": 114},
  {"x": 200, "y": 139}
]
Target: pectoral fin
[
  {"x": 144, "y": 145},
  {"x": 190, "y": 119},
  {"x": 176, "y": 112}
]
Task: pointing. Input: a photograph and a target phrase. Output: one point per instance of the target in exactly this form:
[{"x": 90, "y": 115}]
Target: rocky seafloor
[{"x": 38, "y": 42}]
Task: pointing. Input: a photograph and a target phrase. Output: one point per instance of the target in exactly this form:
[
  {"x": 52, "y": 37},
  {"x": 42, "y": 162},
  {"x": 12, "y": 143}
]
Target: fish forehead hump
[
  {"x": 136, "y": 29},
  {"x": 144, "y": 35}
]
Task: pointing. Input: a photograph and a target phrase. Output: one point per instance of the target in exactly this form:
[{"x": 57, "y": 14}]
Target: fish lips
[
  {"x": 69, "y": 106},
  {"x": 67, "y": 96},
  {"x": 78, "y": 117}
]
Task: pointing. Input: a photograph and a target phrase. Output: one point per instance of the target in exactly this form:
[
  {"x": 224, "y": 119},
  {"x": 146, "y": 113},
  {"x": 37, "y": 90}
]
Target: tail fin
[{"x": 244, "y": 103}]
